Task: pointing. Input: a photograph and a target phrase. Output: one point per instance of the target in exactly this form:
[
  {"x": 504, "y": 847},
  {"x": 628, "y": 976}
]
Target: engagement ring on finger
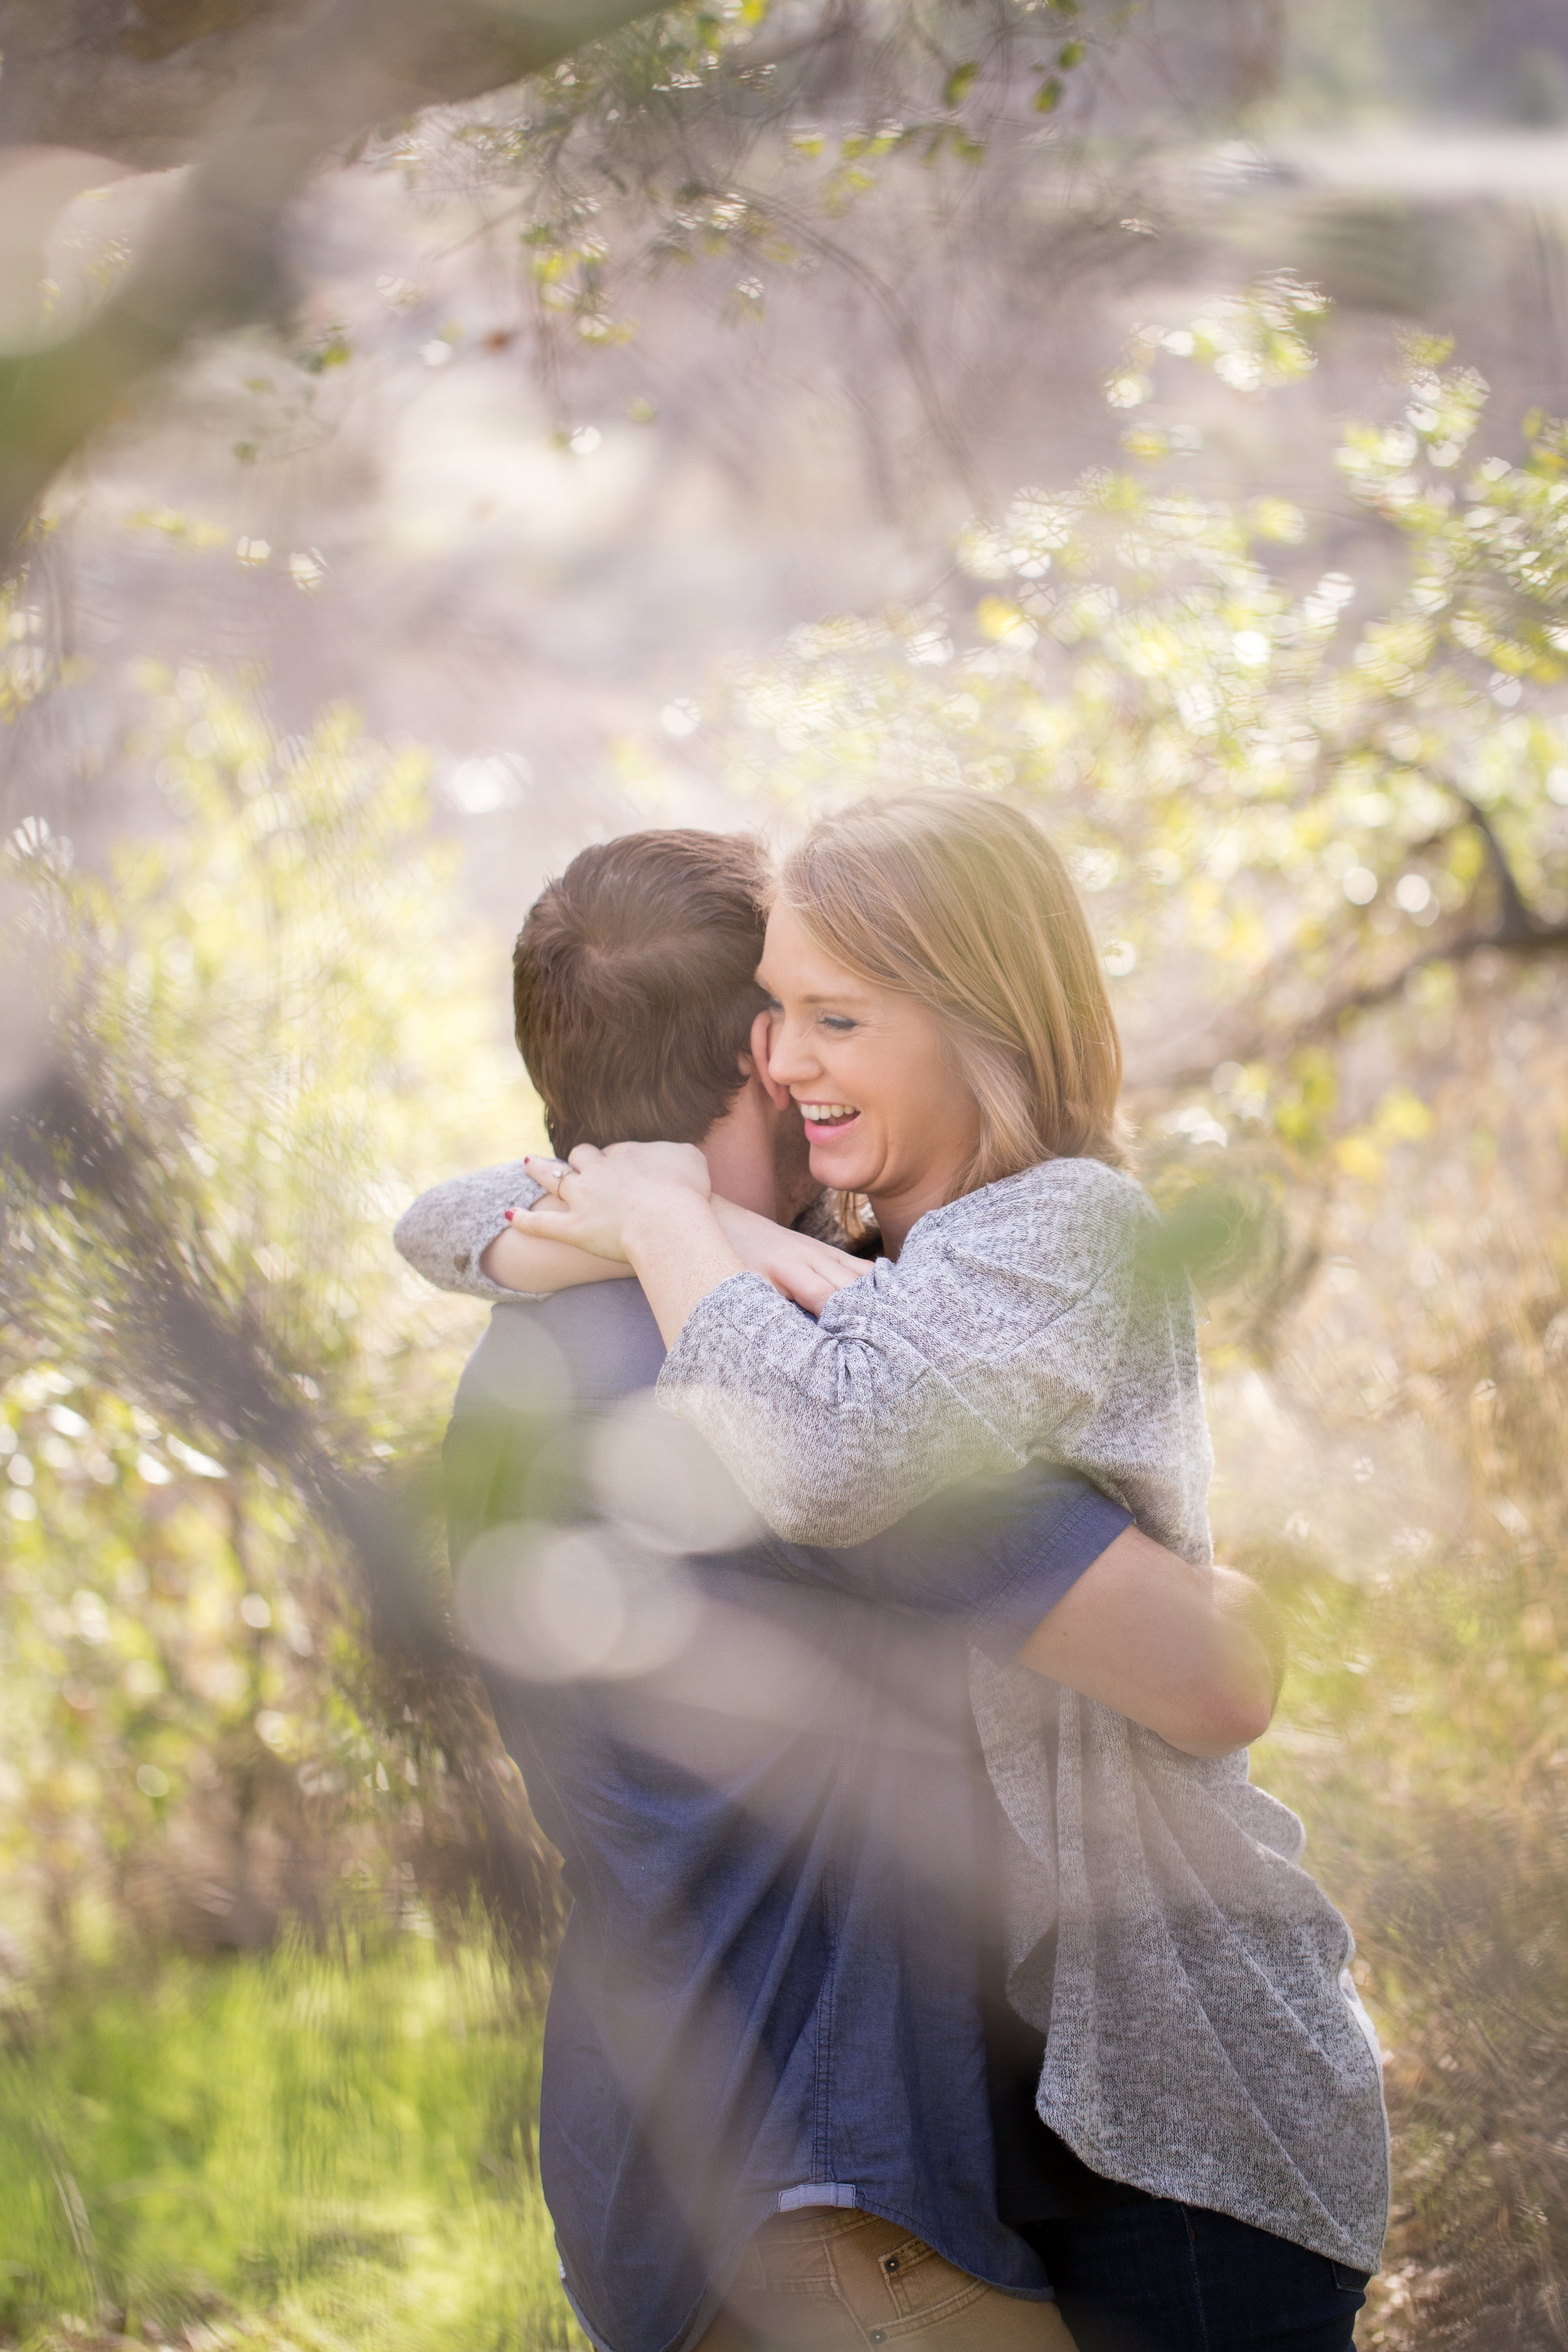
[{"x": 549, "y": 1173}]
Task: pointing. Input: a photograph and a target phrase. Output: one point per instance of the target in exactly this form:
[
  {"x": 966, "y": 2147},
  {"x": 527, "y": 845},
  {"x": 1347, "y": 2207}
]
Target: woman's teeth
[{"x": 828, "y": 1114}]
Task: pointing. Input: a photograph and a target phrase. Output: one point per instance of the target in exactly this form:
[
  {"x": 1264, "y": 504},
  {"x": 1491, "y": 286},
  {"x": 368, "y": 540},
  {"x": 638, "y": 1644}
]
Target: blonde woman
[{"x": 939, "y": 1015}]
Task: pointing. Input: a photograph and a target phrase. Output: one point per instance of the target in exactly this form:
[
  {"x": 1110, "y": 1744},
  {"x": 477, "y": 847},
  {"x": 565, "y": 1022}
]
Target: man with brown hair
[
  {"x": 638, "y": 1016},
  {"x": 634, "y": 987},
  {"x": 775, "y": 2072}
]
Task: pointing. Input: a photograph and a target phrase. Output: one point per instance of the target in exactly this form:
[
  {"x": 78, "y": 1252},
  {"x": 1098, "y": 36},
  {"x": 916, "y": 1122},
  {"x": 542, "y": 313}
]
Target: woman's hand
[
  {"x": 651, "y": 1206},
  {"x": 539, "y": 1269},
  {"x": 805, "y": 1270},
  {"x": 602, "y": 1198},
  {"x": 521, "y": 1258}
]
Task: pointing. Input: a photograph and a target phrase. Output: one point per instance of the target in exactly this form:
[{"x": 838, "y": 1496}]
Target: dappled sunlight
[{"x": 420, "y": 463}]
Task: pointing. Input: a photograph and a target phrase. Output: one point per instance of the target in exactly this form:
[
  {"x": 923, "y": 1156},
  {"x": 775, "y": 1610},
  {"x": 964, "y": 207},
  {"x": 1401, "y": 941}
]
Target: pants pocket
[
  {"x": 1349, "y": 2282},
  {"x": 921, "y": 2283}
]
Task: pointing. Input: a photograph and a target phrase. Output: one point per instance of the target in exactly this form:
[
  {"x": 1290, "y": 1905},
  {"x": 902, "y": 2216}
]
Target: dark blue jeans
[{"x": 1157, "y": 2276}]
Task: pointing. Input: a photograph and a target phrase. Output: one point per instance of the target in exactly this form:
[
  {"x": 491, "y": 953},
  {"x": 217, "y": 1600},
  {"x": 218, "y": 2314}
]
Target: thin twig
[
  {"x": 214, "y": 262},
  {"x": 1518, "y": 931}
]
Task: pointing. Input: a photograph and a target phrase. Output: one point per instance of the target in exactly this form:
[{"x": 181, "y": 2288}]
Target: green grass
[{"x": 298, "y": 2148}]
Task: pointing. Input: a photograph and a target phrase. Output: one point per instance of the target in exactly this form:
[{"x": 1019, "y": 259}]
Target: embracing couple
[{"x": 827, "y": 1515}]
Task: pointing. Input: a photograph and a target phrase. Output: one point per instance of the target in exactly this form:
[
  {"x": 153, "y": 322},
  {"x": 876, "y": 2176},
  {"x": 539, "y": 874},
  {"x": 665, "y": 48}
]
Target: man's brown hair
[{"x": 634, "y": 986}]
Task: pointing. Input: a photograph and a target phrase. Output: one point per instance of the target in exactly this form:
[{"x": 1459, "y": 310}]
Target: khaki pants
[{"x": 826, "y": 2281}]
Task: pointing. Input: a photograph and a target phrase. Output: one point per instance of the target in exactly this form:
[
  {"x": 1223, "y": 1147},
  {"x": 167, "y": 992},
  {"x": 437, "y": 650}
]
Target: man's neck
[{"x": 739, "y": 1150}]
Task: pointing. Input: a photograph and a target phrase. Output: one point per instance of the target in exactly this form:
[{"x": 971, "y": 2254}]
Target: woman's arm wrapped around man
[{"x": 1028, "y": 1318}]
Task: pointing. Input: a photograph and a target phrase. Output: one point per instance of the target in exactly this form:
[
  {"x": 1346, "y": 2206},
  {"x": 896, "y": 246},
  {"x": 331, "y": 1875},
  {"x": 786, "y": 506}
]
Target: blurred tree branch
[
  {"x": 204, "y": 1353},
  {"x": 163, "y": 1265},
  {"x": 139, "y": 86},
  {"x": 269, "y": 92},
  {"x": 1516, "y": 929}
]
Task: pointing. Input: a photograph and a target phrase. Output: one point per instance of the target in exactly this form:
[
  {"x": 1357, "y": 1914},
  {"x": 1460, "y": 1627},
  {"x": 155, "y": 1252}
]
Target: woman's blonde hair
[{"x": 960, "y": 900}]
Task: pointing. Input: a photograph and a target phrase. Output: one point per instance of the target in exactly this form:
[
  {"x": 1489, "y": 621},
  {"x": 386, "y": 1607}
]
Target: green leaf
[
  {"x": 1048, "y": 96},
  {"x": 1072, "y": 54},
  {"x": 960, "y": 82}
]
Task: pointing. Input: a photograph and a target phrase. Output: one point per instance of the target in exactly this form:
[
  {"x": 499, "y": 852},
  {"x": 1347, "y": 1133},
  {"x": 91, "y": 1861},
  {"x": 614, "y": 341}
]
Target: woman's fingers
[
  {"x": 809, "y": 1271},
  {"x": 546, "y": 1172},
  {"x": 660, "y": 1164},
  {"x": 814, "y": 1292},
  {"x": 803, "y": 1286},
  {"x": 835, "y": 1266},
  {"x": 549, "y": 1222},
  {"x": 564, "y": 1223},
  {"x": 549, "y": 1204}
]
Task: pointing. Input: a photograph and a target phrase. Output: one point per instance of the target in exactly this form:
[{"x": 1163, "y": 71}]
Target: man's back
[{"x": 766, "y": 1794}]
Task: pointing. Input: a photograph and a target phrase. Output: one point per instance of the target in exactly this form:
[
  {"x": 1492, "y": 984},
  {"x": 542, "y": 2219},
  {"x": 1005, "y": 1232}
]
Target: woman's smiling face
[{"x": 886, "y": 1109}]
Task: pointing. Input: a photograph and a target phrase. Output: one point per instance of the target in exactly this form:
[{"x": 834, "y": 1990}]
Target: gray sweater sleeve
[
  {"x": 1018, "y": 1320},
  {"x": 448, "y": 1229}
]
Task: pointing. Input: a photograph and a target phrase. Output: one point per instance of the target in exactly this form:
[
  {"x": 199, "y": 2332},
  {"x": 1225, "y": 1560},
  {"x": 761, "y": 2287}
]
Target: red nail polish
[{"x": 510, "y": 1214}]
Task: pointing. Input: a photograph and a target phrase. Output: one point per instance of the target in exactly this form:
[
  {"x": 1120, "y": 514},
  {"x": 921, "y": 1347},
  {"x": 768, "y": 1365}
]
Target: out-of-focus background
[{"x": 1152, "y": 413}]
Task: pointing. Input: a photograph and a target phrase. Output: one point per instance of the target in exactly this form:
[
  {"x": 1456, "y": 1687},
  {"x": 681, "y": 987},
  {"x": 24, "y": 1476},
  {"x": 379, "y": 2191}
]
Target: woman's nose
[{"x": 789, "y": 1060}]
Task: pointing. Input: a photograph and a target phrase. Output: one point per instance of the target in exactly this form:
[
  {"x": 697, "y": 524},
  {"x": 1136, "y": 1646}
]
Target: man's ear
[{"x": 755, "y": 1063}]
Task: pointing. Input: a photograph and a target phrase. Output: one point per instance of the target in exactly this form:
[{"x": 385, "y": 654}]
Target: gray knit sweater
[{"x": 1203, "y": 2040}]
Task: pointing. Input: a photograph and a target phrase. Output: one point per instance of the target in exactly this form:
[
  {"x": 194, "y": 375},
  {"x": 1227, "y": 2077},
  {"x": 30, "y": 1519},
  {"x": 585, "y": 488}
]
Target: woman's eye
[{"x": 839, "y": 1022}]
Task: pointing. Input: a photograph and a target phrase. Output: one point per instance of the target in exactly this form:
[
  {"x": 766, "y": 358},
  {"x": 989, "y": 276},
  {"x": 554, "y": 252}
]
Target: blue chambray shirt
[{"x": 768, "y": 1993}]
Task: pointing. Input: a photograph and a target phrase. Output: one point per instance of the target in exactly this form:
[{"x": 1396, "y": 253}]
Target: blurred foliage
[
  {"x": 741, "y": 134},
  {"x": 1314, "y": 808},
  {"x": 1426, "y": 1735},
  {"x": 302, "y": 2149},
  {"x": 1327, "y": 814},
  {"x": 272, "y": 1001}
]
